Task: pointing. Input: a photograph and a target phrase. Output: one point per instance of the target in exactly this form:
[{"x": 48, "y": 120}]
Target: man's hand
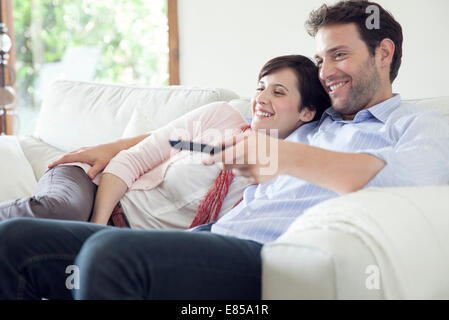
[{"x": 252, "y": 154}]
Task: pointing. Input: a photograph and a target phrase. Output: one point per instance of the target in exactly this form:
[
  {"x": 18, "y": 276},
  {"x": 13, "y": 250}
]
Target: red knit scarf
[{"x": 209, "y": 208}]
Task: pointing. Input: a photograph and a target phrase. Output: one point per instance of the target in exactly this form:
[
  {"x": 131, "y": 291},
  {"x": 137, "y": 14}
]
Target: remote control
[{"x": 193, "y": 146}]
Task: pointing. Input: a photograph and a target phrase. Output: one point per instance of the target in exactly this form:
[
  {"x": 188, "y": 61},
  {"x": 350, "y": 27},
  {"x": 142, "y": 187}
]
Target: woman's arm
[
  {"x": 209, "y": 121},
  {"x": 98, "y": 156},
  {"x": 110, "y": 191}
]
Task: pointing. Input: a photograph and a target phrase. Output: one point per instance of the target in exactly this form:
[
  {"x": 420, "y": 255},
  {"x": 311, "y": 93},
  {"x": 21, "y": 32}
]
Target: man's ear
[
  {"x": 386, "y": 50},
  {"x": 307, "y": 114}
]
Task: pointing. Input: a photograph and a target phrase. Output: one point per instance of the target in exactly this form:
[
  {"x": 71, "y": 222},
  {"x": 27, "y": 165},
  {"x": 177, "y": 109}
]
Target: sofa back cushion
[
  {"x": 440, "y": 104},
  {"x": 75, "y": 114},
  {"x": 143, "y": 120}
]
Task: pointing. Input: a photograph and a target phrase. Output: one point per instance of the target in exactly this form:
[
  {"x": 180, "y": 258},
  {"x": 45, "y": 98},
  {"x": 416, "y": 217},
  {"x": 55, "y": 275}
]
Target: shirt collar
[{"x": 380, "y": 111}]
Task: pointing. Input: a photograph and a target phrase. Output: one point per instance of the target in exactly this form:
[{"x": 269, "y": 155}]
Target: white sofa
[{"x": 319, "y": 257}]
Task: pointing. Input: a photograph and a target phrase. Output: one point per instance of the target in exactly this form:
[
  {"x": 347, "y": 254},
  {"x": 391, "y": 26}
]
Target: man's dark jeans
[{"x": 42, "y": 258}]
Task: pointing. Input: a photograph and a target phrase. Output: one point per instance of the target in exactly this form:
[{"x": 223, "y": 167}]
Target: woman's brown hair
[{"x": 313, "y": 96}]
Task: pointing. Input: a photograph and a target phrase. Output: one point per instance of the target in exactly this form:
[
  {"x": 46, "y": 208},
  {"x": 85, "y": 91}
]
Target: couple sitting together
[{"x": 337, "y": 128}]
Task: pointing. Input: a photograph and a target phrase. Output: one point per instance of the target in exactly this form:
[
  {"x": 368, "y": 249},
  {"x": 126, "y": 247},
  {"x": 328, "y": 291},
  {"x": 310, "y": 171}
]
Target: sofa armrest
[
  {"x": 16, "y": 174},
  {"x": 317, "y": 264},
  {"x": 403, "y": 232}
]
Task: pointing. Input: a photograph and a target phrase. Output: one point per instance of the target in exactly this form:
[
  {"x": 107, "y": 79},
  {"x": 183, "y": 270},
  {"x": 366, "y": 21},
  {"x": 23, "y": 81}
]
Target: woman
[{"x": 157, "y": 187}]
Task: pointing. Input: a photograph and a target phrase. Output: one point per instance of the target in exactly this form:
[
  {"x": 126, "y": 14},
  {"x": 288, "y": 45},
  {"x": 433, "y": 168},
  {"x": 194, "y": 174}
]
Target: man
[{"x": 367, "y": 138}]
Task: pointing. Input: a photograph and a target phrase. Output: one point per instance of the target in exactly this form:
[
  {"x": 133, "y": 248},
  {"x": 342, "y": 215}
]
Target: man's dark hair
[
  {"x": 354, "y": 11},
  {"x": 313, "y": 96}
]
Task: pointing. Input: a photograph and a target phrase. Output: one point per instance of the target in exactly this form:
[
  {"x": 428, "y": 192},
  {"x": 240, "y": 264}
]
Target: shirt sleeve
[
  {"x": 129, "y": 165},
  {"x": 419, "y": 157}
]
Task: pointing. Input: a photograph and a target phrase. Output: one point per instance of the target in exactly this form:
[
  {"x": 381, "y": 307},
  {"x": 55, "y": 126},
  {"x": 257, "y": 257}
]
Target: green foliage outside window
[{"x": 133, "y": 36}]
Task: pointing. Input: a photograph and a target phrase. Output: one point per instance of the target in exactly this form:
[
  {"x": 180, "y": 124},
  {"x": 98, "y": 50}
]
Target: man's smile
[{"x": 334, "y": 87}]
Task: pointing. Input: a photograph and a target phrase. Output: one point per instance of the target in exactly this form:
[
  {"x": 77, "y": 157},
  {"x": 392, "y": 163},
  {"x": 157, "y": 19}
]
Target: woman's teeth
[{"x": 263, "y": 114}]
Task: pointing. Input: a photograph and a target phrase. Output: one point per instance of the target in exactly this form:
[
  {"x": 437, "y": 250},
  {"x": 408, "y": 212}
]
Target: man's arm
[
  {"x": 98, "y": 156},
  {"x": 336, "y": 171},
  {"x": 263, "y": 158}
]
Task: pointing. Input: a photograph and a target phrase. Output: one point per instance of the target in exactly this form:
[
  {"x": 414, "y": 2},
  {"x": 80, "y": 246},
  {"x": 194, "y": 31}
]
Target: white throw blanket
[{"x": 406, "y": 231}]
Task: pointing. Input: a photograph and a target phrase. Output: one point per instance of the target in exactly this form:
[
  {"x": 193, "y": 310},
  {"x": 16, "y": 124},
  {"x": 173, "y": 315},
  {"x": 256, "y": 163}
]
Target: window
[{"x": 90, "y": 40}]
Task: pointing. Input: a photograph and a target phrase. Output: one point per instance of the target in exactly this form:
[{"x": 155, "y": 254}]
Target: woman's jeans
[
  {"x": 63, "y": 192},
  {"x": 43, "y": 258}
]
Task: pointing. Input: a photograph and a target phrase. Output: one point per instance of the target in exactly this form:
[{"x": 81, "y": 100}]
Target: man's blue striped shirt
[{"x": 413, "y": 142}]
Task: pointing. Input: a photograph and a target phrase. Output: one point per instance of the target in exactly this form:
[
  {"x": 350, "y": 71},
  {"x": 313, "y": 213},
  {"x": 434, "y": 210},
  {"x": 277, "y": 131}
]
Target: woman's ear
[{"x": 307, "y": 114}]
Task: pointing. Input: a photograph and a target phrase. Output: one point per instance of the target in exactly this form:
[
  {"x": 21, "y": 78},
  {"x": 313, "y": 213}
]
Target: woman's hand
[{"x": 98, "y": 156}]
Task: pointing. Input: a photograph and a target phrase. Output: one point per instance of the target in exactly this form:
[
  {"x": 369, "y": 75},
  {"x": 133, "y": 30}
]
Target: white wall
[{"x": 225, "y": 43}]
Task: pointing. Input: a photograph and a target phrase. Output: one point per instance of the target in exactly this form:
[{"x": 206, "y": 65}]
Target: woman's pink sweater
[{"x": 144, "y": 165}]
